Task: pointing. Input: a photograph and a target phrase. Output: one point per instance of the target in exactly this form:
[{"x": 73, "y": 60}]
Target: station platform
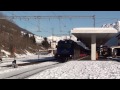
[{"x": 93, "y": 37}]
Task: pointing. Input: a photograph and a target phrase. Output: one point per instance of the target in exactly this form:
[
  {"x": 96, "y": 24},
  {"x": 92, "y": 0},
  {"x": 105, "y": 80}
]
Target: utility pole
[
  {"x": 52, "y": 43},
  {"x": 94, "y": 20},
  {"x": 70, "y": 35},
  {"x": 52, "y": 33}
]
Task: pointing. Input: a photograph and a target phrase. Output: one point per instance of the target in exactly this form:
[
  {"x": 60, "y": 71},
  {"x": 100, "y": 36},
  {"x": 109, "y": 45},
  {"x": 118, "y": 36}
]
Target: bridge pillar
[{"x": 93, "y": 47}]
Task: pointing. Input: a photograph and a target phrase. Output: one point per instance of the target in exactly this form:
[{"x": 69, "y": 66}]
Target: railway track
[
  {"x": 23, "y": 74},
  {"x": 24, "y": 62}
]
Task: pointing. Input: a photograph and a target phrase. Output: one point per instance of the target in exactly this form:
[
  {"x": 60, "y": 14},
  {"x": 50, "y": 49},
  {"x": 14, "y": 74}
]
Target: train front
[{"x": 65, "y": 49}]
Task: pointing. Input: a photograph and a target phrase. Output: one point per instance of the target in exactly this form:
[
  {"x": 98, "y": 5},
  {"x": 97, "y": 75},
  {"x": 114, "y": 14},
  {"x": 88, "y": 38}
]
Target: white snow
[
  {"x": 24, "y": 59},
  {"x": 23, "y": 33},
  {"x": 6, "y": 53},
  {"x": 14, "y": 71},
  {"x": 58, "y": 38},
  {"x": 6, "y": 71},
  {"x": 38, "y": 39},
  {"x": 70, "y": 70},
  {"x": 82, "y": 70},
  {"x": 30, "y": 35}
]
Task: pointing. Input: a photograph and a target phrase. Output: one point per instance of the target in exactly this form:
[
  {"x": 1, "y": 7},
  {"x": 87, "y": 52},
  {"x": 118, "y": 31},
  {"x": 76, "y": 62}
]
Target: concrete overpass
[{"x": 93, "y": 37}]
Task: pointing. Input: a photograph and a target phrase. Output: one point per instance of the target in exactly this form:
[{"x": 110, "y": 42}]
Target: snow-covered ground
[
  {"x": 30, "y": 69},
  {"x": 21, "y": 59},
  {"x": 27, "y": 56},
  {"x": 82, "y": 70},
  {"x": 70, "y": 70}
]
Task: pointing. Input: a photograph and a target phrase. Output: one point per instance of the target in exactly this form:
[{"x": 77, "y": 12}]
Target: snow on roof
[{"x": 93, "y": 28}]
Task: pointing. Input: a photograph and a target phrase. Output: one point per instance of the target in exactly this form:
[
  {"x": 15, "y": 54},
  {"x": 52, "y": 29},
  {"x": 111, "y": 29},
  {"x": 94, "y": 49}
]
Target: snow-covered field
[{"x": 82, "y": 70}]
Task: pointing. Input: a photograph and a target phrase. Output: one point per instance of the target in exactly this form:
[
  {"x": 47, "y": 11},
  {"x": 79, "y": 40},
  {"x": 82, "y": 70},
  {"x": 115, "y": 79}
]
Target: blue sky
[{"x": 61, "y": 26}]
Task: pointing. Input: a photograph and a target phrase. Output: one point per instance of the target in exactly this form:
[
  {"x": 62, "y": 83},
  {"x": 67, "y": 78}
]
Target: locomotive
[{"x": 69, "y": 49}]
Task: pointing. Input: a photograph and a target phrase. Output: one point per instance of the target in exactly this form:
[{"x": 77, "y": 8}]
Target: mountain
[{"x": 16, "y": 39}]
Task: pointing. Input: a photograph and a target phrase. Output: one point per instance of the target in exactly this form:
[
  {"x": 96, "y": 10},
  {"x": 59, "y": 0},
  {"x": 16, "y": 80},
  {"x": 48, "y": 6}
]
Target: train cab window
[{"x": 64, "y": 46}]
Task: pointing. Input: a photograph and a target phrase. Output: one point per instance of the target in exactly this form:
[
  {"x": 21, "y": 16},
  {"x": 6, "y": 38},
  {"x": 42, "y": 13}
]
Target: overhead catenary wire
[
  {"x": 56, "y": 17},
  {"x": 60, "y": 21},
  {"x": 45, "y": 17},
  {"x": 39, "y": 25},
  {"x": 53, "y": 17},
  {"x": 106, "y": 21}
]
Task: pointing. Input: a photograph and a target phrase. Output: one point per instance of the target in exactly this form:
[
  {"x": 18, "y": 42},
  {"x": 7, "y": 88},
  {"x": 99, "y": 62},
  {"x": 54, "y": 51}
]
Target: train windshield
[{"x": 64, "y": 46}]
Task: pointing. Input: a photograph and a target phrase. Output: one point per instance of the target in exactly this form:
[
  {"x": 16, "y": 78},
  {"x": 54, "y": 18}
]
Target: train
[
  {"x": 105, "y": 51},
  {"x": 115, "y": 51},
  {"x": 69, "y": 49}
]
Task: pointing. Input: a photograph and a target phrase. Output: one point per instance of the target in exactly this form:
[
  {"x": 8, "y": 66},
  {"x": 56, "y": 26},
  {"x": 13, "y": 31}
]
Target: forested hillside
[{"x": 14, "y": 38}]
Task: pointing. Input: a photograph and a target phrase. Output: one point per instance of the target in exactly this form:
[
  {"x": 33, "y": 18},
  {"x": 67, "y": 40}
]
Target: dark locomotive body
[{"x": 68, "y": 49}]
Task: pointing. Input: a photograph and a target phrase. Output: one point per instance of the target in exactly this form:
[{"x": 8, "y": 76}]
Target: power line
[
  {"x": 45, "y": 17},
  {"x": 94, "y": 20},
  {"x": 60, "y": 22},
  {"x": 106, "y": 18},
  {"x": 48, "y": 17}
]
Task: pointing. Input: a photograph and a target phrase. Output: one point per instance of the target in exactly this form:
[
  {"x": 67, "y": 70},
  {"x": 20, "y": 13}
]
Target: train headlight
[{"x": 70, "y": 55}]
